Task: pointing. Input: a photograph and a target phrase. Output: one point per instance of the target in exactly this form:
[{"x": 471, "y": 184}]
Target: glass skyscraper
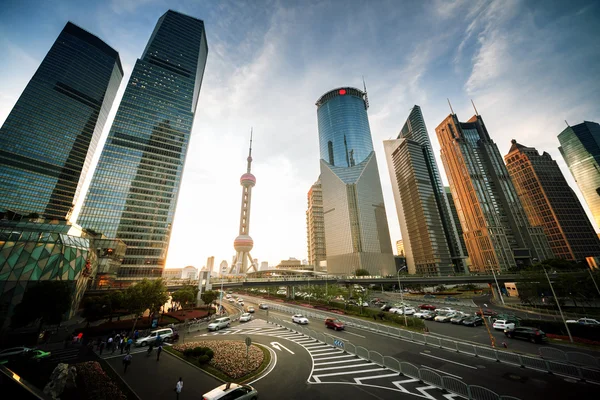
[
  {"x": 49, "y": 137},
  {"x": 580, "y": 147},
  {"x": 430, "y": 235},
  {"x": 133, "y": 193},
  {"x": 356, "y": 229}
]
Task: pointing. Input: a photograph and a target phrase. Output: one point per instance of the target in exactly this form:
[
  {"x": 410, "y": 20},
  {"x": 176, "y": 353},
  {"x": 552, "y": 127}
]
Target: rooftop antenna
[
  {"x": 250, "y": 151},
  {"x": 567, "y": 123},
  {"x": 450, "y": 106},
  {"x": 366, "y": 97},
  {"x": 476, "y": 113}
]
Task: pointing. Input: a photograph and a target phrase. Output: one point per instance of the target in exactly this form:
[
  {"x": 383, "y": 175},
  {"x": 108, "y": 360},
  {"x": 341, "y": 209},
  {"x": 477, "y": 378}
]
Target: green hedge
[{"x": 558, "y": 328}]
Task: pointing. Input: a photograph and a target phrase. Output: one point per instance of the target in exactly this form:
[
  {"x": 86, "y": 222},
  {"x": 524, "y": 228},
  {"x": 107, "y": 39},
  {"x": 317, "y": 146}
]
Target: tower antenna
[
  {"x": 567, "y": 123},
  {"x": 450, "y": 106},
  {"x": 250, "y": 151},
  {"x": 475, "y": 108},
  {"x": 366, "y": 97}
]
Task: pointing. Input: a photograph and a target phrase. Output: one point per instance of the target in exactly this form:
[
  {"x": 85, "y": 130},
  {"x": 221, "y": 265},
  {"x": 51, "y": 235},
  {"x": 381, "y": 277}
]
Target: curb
[{"x": 197, "y": 367}]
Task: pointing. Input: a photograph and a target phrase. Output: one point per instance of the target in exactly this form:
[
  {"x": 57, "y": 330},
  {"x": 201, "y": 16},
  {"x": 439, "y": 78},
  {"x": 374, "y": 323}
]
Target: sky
[{"x": 529, "y": 66}]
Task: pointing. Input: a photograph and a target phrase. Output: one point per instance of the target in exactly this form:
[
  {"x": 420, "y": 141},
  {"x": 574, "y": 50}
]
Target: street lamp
[
  {"x": 497, "y": 285},
  {"x": 558, "y": 304},
  {"x": 401, "y": 296}
]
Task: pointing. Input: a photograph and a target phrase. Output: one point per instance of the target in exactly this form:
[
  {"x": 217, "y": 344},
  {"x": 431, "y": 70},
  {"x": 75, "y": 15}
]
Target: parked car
[
  {"x": 583, "y": 321},
  {"x": 385, "y": 307},
  {"x": 502, "y": 324},
  {"x": 246, "y": 317},
  {"x": 263, "y": 306},
  {"x": 459, "y": 318},
  {"x": 446, "y": 317},
  {"x": 403, "y": 310},
  {"x": 486, "y": 312},
  {"x": 219, "y": 323},
  {"x": 11, "y": 353},
  {"x": 430, "y": 316},
  {"x": 334, "y": 323},
  {"x": 427, "y": 307},
  {"x": 250, "y": 309},
  {"x": 300, "y": 319},
  {"x": 231, "y": 391},
  {"x": 446, "y": 309},
  {"x": 429, "y": 296},
  {"x": 534, "y": 335},
  {"x": 473, "y": 320},
  {"x": 165, "y": 334},
  {"x": 422, "y": 313}
]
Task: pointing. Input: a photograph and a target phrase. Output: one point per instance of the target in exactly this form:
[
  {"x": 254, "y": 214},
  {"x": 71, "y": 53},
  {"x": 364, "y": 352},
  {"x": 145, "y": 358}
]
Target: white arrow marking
[
  {"x": 278, "y": 346},
  {"x": 425, "y": 394}
]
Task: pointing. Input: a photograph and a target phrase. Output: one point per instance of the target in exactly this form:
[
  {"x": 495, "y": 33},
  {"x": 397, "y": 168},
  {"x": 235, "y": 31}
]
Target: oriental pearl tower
[{"x": 242, "y": 244}]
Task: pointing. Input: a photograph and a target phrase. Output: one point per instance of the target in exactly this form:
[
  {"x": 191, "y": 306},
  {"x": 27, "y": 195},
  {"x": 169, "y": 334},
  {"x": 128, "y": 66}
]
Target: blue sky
[{"x": 528, "y": 65}]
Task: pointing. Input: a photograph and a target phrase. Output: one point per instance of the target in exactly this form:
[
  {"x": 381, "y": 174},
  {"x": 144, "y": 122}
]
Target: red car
[
  {"x": 334, "y": 324},
  {"x": 427, "y": 307},
  {"x": 486, "y": 312}
]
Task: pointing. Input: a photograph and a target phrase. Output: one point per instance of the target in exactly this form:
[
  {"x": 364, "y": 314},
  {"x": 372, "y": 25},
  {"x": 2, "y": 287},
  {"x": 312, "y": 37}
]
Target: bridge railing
[
  {"x": 570, "y": 365},
  {"x": 424, "y": 375}
]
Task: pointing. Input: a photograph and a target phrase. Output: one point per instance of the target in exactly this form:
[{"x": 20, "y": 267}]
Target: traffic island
[{"x": 224, "y": 359}]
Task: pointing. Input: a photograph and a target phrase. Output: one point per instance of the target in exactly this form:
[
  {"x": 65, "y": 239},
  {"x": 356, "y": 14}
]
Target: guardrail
[
  {"x": 424, "y": 375},
  {"x": 571, "y": 357},
  {"x": 540, "y": 364}
]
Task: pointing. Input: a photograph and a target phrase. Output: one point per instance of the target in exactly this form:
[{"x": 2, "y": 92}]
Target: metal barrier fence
[
  {"x": 424, "y": 375},
  {"x": 572, "y": 364}
]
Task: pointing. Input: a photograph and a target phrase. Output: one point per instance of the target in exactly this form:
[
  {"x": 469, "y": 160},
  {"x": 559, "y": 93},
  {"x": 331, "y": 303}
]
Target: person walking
[
  {"x": 122, "y": 344},
  {"x": 158, "y": 351},
  {"x": 101, "y": 347},
  {"x": 178, "y": 387},
  {"x": 128, "y": 345},
  {"x": 126, "y": 362},
  {"x": 109, "y": 343}
]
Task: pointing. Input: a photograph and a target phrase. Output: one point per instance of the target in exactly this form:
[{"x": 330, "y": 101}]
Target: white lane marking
[
  {"x": 332, "y": 358},
  {"x": 314, "y": 344},
  {"x": 279, "y": 346},
  {"x": 351, "y": 372},
  {"x": 343, "y": 367},
  {"x": 359, "y": 380},
  {"x": 355, "y": 334},
  {"x": 326, "y": 354},
  {"x": 311, "y": 351},
  {"x": 273, "y": 354},
  {"x": 336, "y": 362},
  {"x": 443, "y": 372},
  {"x": 425, "y": 394},
  {"x": 450, "y": 361}
]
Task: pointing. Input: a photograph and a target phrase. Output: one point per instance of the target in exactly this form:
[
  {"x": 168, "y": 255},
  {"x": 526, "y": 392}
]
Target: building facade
[
  {"x": 134, "y": 191},
  {"x": 356, "y": 230},
  {"x": 50, "y": 136},
  {"x": 431, "y": 240},
  {"x": 315, "y": 225},
  {"x": 400, "y": 247},
  {"x": 580, "y": 147},
  {"x": 550, "y": 202},
  {"x": 496, "y": 230}
]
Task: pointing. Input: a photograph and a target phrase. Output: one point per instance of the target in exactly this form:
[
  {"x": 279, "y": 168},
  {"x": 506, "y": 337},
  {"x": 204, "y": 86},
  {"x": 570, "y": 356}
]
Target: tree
[
  {"x": 208, "y": 297},
  {"x": 362, "y": 272},
  {"x": 95, "y": 308},
  {"x": 46, "y": 302},
  {"x": 182, "y": 297},
  {"x": 145, "y": 295}
]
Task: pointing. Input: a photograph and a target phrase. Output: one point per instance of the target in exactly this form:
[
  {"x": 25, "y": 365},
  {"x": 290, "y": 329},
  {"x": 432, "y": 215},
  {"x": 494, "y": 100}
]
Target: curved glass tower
[{"x": 356, "y": 229}]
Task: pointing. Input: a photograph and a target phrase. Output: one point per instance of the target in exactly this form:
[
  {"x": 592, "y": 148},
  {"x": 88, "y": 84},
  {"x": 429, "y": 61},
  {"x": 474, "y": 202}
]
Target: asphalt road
[{"x": 502, "y": 378}]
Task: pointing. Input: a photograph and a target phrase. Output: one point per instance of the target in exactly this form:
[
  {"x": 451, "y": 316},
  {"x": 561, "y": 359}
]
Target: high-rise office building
[
  {"x": 400, "y": 248},
  {"x": 497, "y": 232},
  {"x": 580, "y": 147},
  {"x": 456, "y": 220},
  {"x": 315, "y": 226},
  {"x": 356, "y": 230},
  {"x": 49, "y": 137},
  {"x": 550, "y": 202},
  {"x": 133, "y": 193},
  {"x": 430, "y": 236}
]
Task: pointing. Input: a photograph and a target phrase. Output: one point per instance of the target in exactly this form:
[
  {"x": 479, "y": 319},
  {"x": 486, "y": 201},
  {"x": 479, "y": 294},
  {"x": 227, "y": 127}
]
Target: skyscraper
[
  {"x": 550, "y": 202},
  {"x": 497, "y": 232},
  {"x": 133, "y": 193},
  {"x": 430, "y": 236},
  {"x": 356, "y": 229},
  {"x": 580, "y": 147},
  {"x": 49, "y": 137},
  {"x": 315, "y": 226}
]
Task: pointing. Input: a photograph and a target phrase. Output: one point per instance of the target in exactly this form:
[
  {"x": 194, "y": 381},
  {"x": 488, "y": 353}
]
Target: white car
[
  {"x": 501, "y": 324},
  {"x": 300, "y": 319},
  {"x": 444, "y": 317},
  {"x": 583, "y": 321},
  {"x": 422, "y": 313},
  {"x": 246, "y": 317},
  {"x": 445, "y": 309},
  {"x": 402, "y": 311}
]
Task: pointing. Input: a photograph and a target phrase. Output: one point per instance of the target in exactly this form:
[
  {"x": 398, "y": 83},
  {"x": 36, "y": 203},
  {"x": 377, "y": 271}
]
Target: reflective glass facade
[
  {"x": 550, "y": 203},
  {"x": 344, "y": 133},
  {"x": 496, "y": 230},
  {"x": 356, "y": 230},
  {"x": 580, "y": 147},
  {"x": 133, "y": 193},
  {"x": 49, "y": 138}
]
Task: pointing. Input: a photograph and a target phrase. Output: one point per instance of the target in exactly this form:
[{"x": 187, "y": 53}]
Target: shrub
[
  {"x": 95, "y": 384},
  {"x": 203, "y": 359}
]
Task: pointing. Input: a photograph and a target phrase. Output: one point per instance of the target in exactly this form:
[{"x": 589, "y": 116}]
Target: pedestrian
[
  {"x": 109, "y": 343},
  {"x": 101, "y": 347},
  {"x": 122, "y": 344},
  {"x": 505, "y": 345},
  {"x": 136, "y": 334},
  {"x": 128, "y": 345},
  {"x": 178, "y": 387},
  {"x": 158, "y": 351},
  {"x": 126, "y": 362}
]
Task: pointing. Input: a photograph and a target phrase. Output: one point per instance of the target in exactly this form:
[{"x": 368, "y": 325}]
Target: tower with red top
[{"x": 243, "y": 243}]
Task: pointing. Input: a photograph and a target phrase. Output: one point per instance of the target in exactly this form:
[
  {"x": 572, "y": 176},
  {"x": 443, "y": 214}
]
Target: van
[
  {"x": 166, "y": 334},
  {"x": 219, "y": 323}
]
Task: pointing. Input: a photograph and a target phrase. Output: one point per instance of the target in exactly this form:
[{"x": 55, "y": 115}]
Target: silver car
[
  {"x": 232, "y": 391},
  {"x": 219, "y": 323}
]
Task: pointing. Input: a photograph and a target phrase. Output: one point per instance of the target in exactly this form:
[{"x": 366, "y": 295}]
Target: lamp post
[
  {"x": 496, "y": 279},
  {"x": 401, "y": 296},
  {"x": 593, "y": 280},
  {"x": 558, "y": 304}
]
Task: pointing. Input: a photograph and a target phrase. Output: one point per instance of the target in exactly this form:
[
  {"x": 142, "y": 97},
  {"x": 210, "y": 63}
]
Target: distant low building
[
  {"x": 172, "y": 273},
  {"x": 292, "y": 263},
  {"x": 190, "y": 272}
]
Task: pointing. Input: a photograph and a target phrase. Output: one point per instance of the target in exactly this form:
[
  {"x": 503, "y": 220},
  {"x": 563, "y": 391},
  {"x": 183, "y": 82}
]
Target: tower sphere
[
  {"x": 243, "y": 243},
  {"x": 248, "y": 180}
]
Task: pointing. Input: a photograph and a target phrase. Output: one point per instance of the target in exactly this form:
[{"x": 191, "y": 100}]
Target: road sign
[
  {"x": 279, "y": 346},
  {"x": 248, "y": 341},
  {"x": 338, "y": 343}
]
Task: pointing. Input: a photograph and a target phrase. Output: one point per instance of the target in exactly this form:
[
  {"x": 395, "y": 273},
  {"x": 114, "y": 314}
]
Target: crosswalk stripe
[
  {"x": 359, "y": 380},
  {"x": 337, "y": 362},
  {"x": 352, "y": 372},
  {"x": 333, "y": 358},
  {"x": 342, "y": 367},
  {"x": 319, "y": 351}
]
